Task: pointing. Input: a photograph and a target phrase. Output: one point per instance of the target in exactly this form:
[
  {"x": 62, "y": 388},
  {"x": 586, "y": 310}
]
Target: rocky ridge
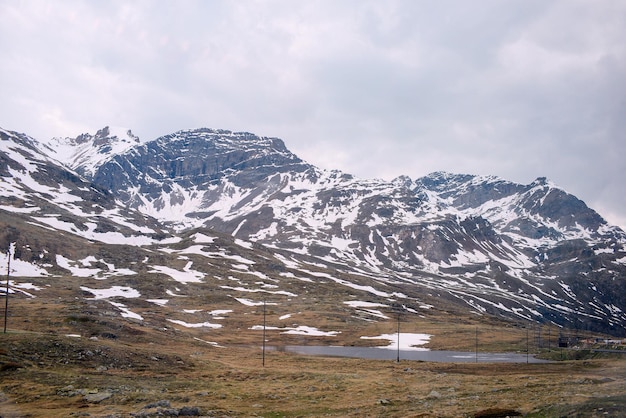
[{"x": 529, "y": 252}]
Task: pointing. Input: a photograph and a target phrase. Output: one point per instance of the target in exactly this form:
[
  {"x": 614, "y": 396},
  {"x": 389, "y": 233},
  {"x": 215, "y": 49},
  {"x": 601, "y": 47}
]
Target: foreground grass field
[
  {"x": 60, "y": 376},
  {"x": 66, "y": 357}
]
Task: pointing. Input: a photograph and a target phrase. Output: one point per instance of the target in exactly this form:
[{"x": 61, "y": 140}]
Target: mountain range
[{"x": 150, "y": 229}]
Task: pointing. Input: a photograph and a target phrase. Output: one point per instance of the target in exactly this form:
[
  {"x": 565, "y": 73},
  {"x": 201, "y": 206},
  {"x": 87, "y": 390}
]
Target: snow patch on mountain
[
  {"x": 20, "y": 268},
  {"x": 112, "y": 292},
  {"x": 87, "y": 152},
  {"x": 187, "y": 275}
]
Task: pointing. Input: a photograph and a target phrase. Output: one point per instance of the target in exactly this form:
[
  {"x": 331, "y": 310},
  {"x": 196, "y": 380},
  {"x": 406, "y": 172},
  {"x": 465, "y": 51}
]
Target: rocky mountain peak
[
  {"x": 220, "y": 139},
  {"x": 107, "y": 136},
  {"x": 403, "y": 181},
  {"x": 524, "y": 251},
  {"x": 86, "y": 152}
]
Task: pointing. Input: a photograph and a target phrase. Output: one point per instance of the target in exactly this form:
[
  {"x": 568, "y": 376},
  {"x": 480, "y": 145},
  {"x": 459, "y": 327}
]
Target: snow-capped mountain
[
  {"x": 86, "y": 152},
  {"x": 529, "y": 252}
]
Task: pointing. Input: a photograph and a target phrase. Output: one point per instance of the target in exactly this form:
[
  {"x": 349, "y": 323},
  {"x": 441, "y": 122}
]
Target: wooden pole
[
  {"x": 476, "y": 340},
  {"x": 6, "y": 300},
  {"x": 527, "y": 347},
  {"x": 264, "y": 315},
  {"x": 398, "y": 352},
  {"x": 549, "y": 337}
]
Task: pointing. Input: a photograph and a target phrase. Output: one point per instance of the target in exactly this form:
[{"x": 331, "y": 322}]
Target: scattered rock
[
  {"x": 497, "y": 413},
  {"x": 97, "y": 397},
  {"x": 189, "y": 411},
  {"x": 162, "y": 403},
  {"x": 163, "y": 408},
  {"x": 434, "y": 394}
]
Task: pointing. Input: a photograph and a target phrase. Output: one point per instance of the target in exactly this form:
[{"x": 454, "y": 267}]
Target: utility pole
[
  {"x": 264, "y": 315},
  {"x": 549, "y": 336},
  {"x": 6, "y": 300},
  {"x": 527, "y": 347},
  {"x": 476, "y": 340},
  {"x": 398, "y": 352}
]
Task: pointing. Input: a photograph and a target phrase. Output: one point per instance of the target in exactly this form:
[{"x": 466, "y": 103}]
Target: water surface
[{"x": 378, "y": 353}]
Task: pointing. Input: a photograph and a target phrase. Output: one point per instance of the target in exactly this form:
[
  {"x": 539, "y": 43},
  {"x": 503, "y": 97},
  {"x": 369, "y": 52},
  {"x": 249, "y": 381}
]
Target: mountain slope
[
  {"x": 38, "y": 196},
  {"x": 483, "y": 244}
]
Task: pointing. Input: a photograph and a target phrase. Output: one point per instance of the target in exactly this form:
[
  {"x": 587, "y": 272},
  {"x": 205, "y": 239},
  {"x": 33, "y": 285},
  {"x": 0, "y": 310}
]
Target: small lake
[{"x": 381, "y": 353}]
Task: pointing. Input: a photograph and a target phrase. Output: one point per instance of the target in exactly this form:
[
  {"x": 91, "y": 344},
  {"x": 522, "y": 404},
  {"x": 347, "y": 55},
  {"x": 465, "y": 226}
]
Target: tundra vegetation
[{"x": 65, "y": 356}]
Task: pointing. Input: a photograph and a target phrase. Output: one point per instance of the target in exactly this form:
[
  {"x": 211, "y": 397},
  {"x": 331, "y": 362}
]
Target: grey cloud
[{"x": 519, "y": 89}]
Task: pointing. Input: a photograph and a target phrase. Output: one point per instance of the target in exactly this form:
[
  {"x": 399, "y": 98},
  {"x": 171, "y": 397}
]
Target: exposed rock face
[{"x": 195, "y": 160}]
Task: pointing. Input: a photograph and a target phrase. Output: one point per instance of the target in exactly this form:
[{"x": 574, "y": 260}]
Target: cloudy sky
[{"x": 514, "y": 88}]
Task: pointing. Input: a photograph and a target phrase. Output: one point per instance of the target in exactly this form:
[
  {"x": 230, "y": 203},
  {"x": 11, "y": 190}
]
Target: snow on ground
[
  {"x": 366, "y": 307},
  {"x": 91, "y": 234},
  {"x": 604, "y": 251},
  {"x": 29, "y": 209},
  {"x": 185, "y": 276},
  {"x": 248, "y": 302},
  {"x": 76, "y": 271},
  {"x": 200, "y": 250},
  {"x": 88, "y": 271},
  {"x": 200, "y": 238},
  {"x": 171, "y": 293},
  {"x": 160, "y": 302},
  {"x": 299, "y": 330},
  {"x": 276, "y": 292},
  {"x": 361, "y": 304},
  {"x": 342, "y": 244},
  {"x": 290, "y": 275},
  {"x": 288, "y": 262},
  {"x": 193, "y": 249},
  {"x": 242, "y": 243},
  {"x": 213, "y": 343},
  {"x": 368, "y": 289},
  {"x": 114, "y": 291},
  {"x": 114, "y": 215},
  {"x": 26, "y": 286},
  {"x": 310, "y": 331},
  {"x": 408, "y": 341},
  {"x": 126, "y": 313},
  {"x": 20, "y": 268},
  {"x": 220, "y": 312},
  {"x": 195, "y": 325},
  {"x": 18, "y": 287}
]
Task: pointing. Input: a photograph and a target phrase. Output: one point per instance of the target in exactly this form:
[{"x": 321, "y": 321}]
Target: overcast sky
[{"x": 514, "y": 88}]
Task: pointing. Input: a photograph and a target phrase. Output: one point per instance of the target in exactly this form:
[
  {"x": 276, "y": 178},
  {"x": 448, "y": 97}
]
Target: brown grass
[
  {"x": 122, "y": 368},
  {"x": 48, "y": 374}
]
